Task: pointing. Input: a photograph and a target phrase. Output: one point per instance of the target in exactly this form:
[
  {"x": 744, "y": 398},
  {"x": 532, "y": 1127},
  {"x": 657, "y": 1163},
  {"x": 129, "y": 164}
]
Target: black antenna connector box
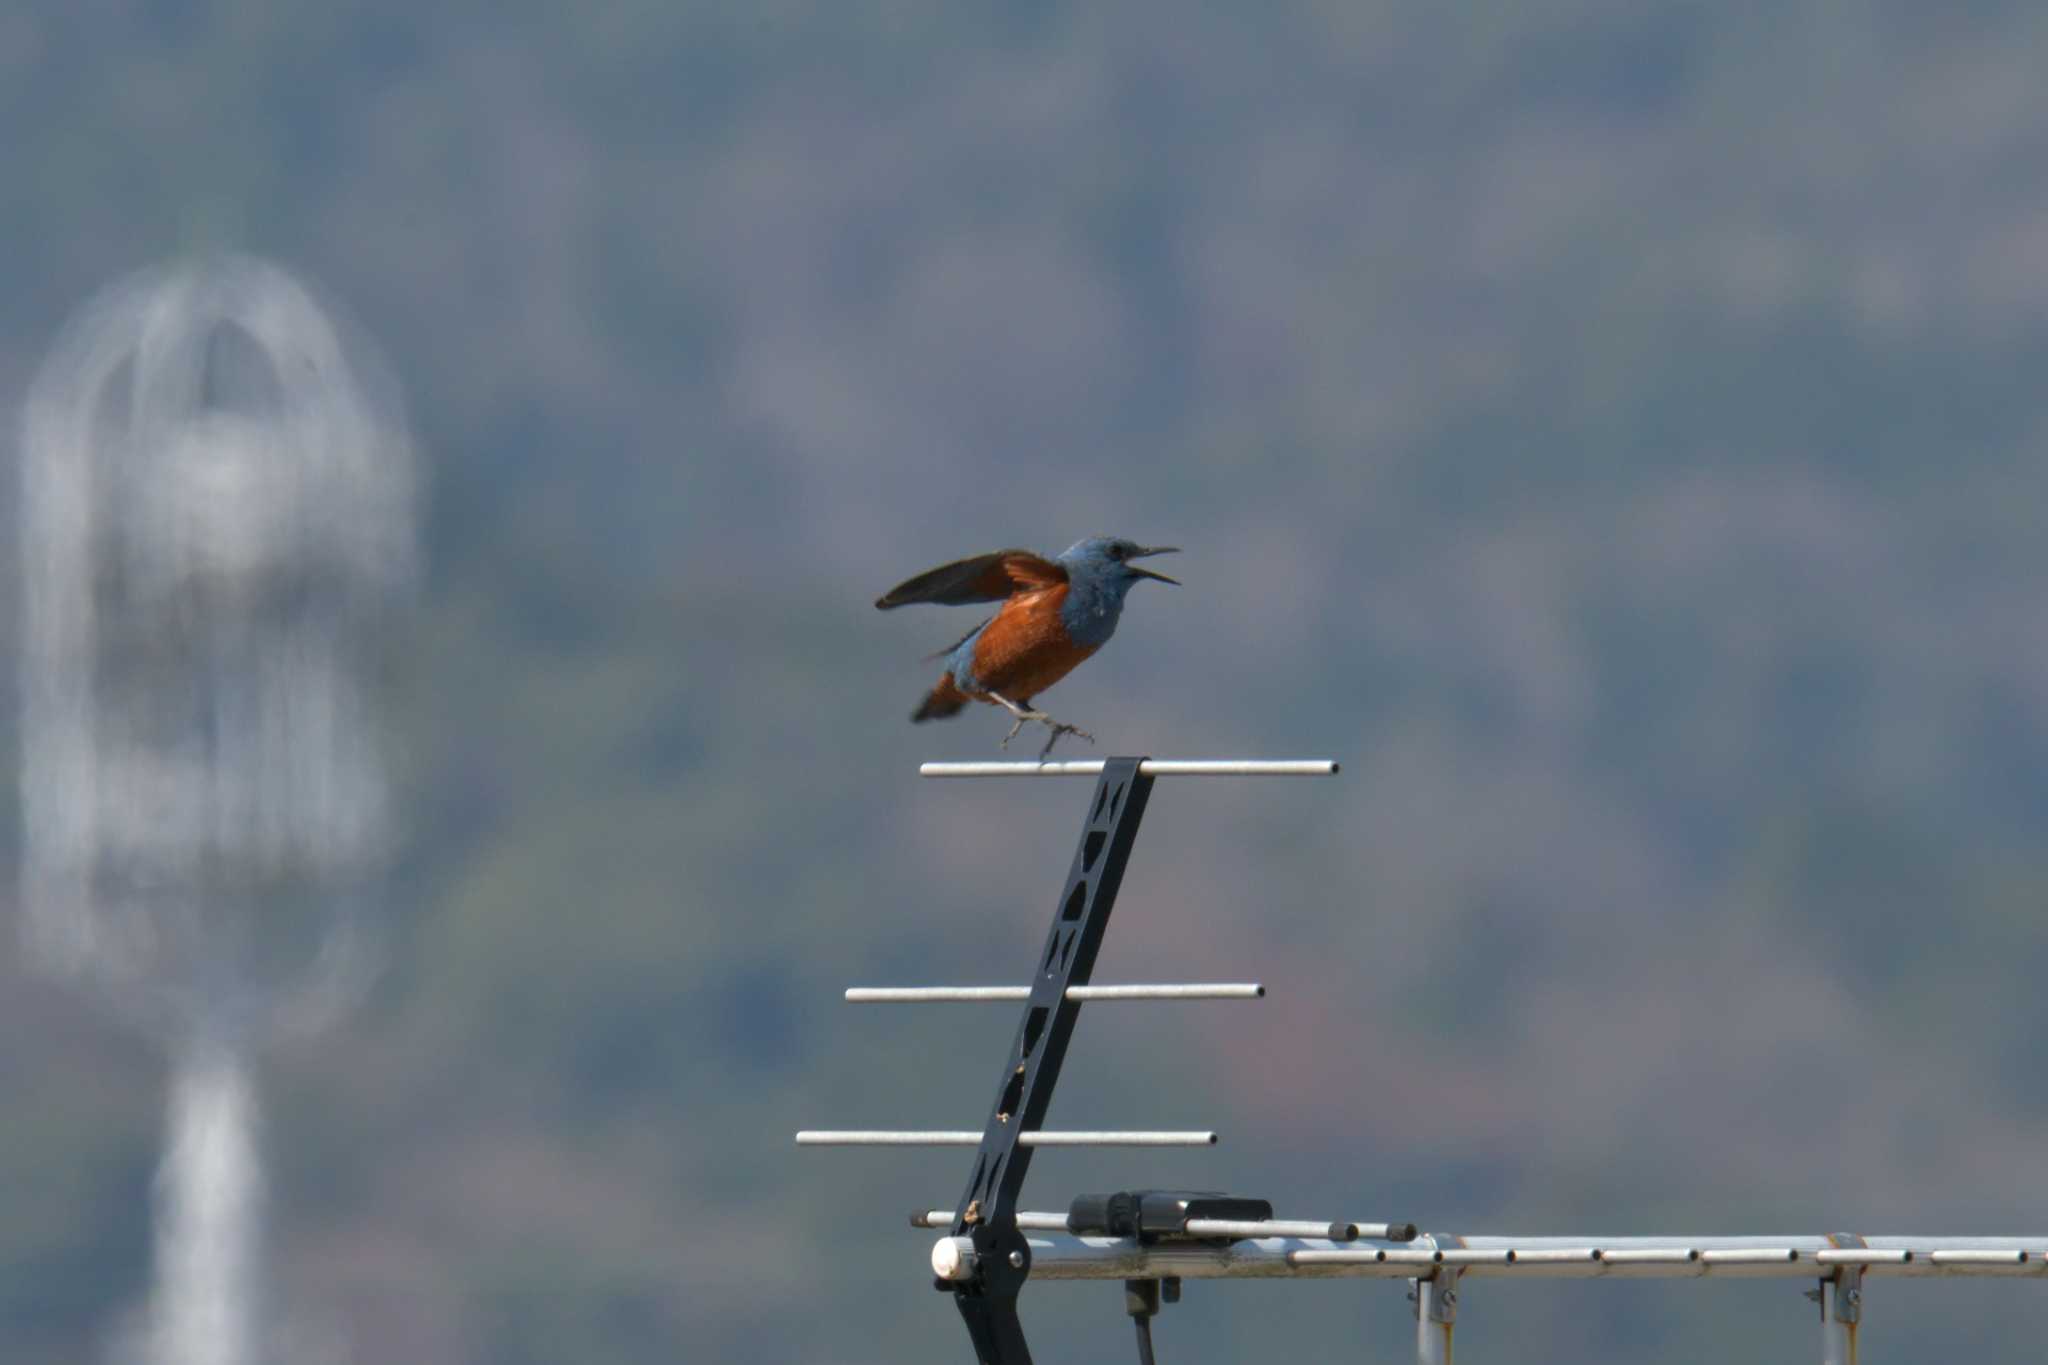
[{"x": 1150, "y": 1215}]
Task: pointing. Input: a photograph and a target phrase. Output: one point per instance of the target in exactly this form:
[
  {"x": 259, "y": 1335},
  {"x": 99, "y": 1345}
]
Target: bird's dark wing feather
[{"x": 984, "y": 578}]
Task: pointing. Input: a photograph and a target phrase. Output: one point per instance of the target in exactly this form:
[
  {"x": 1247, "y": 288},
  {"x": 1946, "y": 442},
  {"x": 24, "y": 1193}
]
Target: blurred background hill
[{"x": 1616, "y": 431}]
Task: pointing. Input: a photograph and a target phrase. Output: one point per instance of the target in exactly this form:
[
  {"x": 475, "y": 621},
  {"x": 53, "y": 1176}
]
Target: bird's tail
[{"x": 944, "y": 700}]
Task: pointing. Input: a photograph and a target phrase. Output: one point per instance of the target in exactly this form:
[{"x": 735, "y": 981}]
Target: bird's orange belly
[{"x": 1025, "y": 649}]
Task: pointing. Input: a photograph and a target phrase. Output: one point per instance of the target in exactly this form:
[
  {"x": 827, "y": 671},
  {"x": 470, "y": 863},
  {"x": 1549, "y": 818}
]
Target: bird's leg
[{"x": 1021, "y": 712}]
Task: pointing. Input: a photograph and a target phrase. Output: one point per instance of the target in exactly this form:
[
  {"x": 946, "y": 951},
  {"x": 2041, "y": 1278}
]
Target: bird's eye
[{"x": 1116, "y": 552}]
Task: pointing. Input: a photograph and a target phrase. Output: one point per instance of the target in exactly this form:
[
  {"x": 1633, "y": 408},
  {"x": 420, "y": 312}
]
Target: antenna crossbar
[
  {"x": 968, "y": 1137},
  {"x": 920, "y": 995},
  {"x": 1151, "y": 767}
]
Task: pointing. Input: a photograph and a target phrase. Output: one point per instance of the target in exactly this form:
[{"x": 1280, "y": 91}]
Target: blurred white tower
[{"x": 216, "y": 509}]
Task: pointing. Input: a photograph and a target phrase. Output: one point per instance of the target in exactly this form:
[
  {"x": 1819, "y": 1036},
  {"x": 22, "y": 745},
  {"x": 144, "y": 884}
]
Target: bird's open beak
[{"x": 1147, "y": 573}]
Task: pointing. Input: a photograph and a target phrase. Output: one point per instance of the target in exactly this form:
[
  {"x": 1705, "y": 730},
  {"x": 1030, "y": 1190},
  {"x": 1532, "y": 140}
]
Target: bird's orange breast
[{"x": 1025, "y": 648}]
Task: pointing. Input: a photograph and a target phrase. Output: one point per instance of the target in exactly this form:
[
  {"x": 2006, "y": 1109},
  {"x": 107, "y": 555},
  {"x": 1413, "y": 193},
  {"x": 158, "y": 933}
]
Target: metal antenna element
[
  {"x": 968, "y": 1137},
  {"x": 1147, "y": 767},
  {"x": 920, "y": 995}
]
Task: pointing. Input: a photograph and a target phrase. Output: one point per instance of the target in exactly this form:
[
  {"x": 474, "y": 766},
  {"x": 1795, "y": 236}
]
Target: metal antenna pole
[
  {"x": 1436, "y": 1314},
  {"x": 1841, "y": 1303},
  {"x": 988, "y": 1208}
]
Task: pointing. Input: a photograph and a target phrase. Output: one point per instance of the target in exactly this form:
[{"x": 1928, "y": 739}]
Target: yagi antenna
[
  {"x": 1152, "y": 1240},
  {"x": 985, "y": 1259}
]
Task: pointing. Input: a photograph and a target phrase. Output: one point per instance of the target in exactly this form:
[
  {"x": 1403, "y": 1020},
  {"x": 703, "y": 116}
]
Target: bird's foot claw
[
  {"x": 1020, "y": 715},
  {"x": 1059, "y": 728}
]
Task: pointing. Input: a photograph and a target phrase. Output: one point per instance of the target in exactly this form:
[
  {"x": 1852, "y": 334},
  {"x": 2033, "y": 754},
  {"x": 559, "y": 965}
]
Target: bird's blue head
[
  {"x": 1099, "y": 573},
  {"x": 1105, "y": 564}
]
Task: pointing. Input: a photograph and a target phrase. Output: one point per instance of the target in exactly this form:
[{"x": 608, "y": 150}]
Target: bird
[{"x": 1054, "y": 614}]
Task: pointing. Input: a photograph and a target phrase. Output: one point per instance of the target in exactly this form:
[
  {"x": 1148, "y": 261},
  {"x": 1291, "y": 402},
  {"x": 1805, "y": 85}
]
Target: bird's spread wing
[{"x": 984, "y": 578}]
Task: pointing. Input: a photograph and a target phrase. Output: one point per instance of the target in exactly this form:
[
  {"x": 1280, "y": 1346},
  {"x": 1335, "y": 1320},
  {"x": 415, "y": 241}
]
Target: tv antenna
[{"x": 1152, "y": 1240}]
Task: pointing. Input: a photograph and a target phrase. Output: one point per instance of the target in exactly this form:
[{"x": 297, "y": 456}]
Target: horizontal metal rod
[
  {"x": 1151, "y": 767},
  {"x": 1636, "y": 1260},
  {"x": 1557, "y": 1261},
  {"x": 1196, "y": 1227},
  {"x": 966, "y": 1137},
  {"x": 1271, "y": 1227},
  {"x": 1581, "y": 1262},
  {"x": 1029, "y": 1222},
  {"x": 919, "y": 995},
  {"x": 1865, "y": 1256},
  {"x": 1804, "y": 1255},
  {"x": 1990, "y": 1257},
  {"x": 1060, "y": 1257}
]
